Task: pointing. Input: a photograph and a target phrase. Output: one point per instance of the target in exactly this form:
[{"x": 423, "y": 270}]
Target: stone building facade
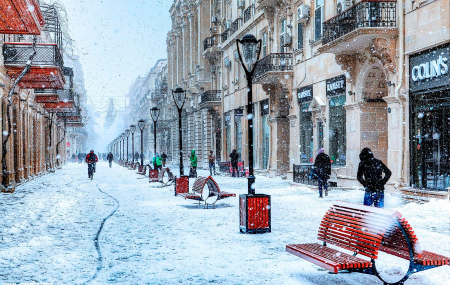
[
  {"x": 338, "y": 75},
  {"x": 37, "y": 109}
]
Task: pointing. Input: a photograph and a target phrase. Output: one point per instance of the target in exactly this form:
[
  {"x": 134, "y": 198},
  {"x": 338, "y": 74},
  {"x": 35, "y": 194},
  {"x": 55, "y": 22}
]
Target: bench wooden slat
[{"x": 326, "y": 257}]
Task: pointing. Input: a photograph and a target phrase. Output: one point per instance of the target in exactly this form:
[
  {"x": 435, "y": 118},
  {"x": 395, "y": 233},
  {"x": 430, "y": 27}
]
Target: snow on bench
[
  {"x": 210, "y": 195},
  {"x": 365, "y": 231}
]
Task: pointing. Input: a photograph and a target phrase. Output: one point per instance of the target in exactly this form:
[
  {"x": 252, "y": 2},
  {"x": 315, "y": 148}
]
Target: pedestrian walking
[
  {"x": 370, "y": 175},
  {"x": 212, "y": 163},
  {"x": 234, "y": 157},
  {"x": 322, "y": 170},
  {"x": 136, "y": 156},
  {"x": 164, "y": 158},
  {"x": 193, "y": 158},
  {"x": 73, "y": 158},
  {"x": 157, "y": 162},
  {"x": 110, "y": 158}
]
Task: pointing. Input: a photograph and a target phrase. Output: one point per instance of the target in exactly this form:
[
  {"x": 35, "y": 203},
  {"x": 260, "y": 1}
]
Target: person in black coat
[
  {"x": 322, "y": 169},
  {"x": 110, "y": 158},
  {"x": 234, "y": 156},
  {"x": 370, "y": 175}
]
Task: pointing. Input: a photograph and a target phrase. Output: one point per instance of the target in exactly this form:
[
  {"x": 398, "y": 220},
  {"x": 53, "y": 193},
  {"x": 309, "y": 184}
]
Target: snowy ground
[{"x": 48, "y": 229}]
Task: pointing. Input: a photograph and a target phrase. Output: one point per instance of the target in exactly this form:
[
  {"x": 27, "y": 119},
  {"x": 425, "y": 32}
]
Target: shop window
[
  {"x": 337, "y": 130},
  {"x": 318, "y": 20},
  {"x": 306, "y": 135}
]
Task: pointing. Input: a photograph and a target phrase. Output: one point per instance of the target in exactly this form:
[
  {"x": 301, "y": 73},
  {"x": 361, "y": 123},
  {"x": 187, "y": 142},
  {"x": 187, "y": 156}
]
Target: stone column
[{"x": 294, "y": 149}]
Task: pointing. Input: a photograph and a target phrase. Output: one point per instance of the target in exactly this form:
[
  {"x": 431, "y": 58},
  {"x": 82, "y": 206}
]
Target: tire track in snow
[{"x": 96, "y": 242}]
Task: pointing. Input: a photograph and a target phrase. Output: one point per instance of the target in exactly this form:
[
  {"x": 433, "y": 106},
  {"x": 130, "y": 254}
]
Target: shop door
[
  {"x": 266, "y": 141},
  {"x": 433, "y": 149}
]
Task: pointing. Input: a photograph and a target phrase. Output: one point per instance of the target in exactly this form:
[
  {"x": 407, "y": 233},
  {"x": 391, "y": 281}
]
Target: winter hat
[
  {"x": 365, "y": 154},
  {"x": 321, "y": 150}
]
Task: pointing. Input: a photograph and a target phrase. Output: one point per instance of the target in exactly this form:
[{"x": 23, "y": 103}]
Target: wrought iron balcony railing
[
  {"x": 248, "y": 13},
  {"x": 236, "y": 25},
  {"x": 65, "y": 95},
  {"x": 19, "y": 54},
  {"x": 225, "y": 35},
  {"x": 365, "y": 14},
  {"x": 274, "y": 62},
  {"x": 210, "y": 42},
  {"x": 45, "y": 91},
  {"x": 211, "y": 96}
]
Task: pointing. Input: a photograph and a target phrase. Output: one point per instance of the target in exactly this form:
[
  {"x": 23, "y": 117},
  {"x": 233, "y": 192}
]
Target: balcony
[
  {"x": 21, "y": 17},
  {"x": 210, "y": 98},
  {"x": 46, "y": 70},
  {"x": 356, "y": 27},
  {"x": 211, "y": 48},
  {"x": 46, "y": 96},
  {"x": 269, "y": 3},
  {"x": 275, "y": 68},
  {"x": 225, "y": 35},
  {"x": 157, "y": 96},
  {"x": 248, "y": 13},
  {"x": 236, "y": 25}
]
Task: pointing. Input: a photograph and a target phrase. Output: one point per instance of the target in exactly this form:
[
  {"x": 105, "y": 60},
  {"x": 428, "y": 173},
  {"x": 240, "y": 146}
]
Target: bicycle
[{"x": 91, "y": 170}]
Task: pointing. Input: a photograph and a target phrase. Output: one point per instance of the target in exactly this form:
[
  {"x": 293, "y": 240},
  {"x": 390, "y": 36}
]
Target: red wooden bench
[
  {"x": 365, "y": 231},
  {"x": 210, "y": 195}
]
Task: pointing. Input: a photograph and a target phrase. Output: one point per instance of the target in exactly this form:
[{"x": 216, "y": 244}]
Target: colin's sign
[{"x": 429, "y": 69}]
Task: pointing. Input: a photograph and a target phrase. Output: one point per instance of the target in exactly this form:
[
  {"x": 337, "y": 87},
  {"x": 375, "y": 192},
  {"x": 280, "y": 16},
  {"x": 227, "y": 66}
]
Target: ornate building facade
[
  {"x": 39, "y": 105},
  {"x": 334, "y": 74}
]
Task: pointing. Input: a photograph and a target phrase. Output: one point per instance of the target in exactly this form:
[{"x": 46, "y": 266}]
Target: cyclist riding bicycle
[{"x": 91, "y": 158}]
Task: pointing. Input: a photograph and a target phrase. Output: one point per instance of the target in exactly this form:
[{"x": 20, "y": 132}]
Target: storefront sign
[
  {"x": 264, "y": 107},
  {"x": 429, "y": 69},
  {"x": 68, "y": 144},
  {"x": 336, "y": 85},
  {"x": 305, "y": 94},
  {"x": 239, "y": 112}
]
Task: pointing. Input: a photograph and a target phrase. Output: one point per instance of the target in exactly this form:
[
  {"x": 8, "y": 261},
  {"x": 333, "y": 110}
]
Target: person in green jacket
[
  {"x": 157, "y": 162},
  {"x": 193, "y": 159}
]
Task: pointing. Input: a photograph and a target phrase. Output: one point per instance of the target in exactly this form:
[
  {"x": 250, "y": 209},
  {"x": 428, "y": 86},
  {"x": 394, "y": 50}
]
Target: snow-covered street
[{"x": 146, "y": 235}]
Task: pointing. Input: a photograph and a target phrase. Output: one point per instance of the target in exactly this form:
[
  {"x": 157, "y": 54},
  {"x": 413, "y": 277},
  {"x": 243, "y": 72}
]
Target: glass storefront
[
  {"x": 306, "y": 134},
  {"x": 430, "y": 140},
  {"x": 336, "y": 89},
  {"x": 429, "y": 84},
  {"x": 337, "y": 132}
]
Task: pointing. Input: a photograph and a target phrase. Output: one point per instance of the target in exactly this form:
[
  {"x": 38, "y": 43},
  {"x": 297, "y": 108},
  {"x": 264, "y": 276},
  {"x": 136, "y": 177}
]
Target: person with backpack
[
  {"x": 322, "y": 170},
  {"x": 370, "y": 175},
  {"x": 91, "y": 158},
  {"x": 193, "y": 158},
  {"x": 157, "y": 162}
]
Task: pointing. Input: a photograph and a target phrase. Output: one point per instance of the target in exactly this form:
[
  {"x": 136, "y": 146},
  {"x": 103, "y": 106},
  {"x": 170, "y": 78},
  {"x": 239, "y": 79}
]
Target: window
[
  {"x": 306, "y": 134},
  {"x": 318, "y": 19},
  {"x": 264, "y": 44},
  {"x": 283, "y": 26},
  {"x": 282, "y": 35},
  {"x": 299, "y": 36},
  {"x": 337, "y": 131}
]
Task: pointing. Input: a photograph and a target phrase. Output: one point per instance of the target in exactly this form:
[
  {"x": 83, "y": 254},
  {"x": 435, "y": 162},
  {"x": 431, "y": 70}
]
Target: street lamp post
[
  {"x": 141, "y": 125},
  {"x": 154, "y": 113},
  {"x": 132, "y": 130},
  {"x": 251, "y": 48},
  {"x": 179, "y": 96},
  {"x": 251, "y": 54},
  {"x": 127, "y": 133}
]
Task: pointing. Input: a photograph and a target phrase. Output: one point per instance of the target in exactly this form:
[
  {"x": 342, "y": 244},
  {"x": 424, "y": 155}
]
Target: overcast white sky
[{"x": 117, "y": 40}]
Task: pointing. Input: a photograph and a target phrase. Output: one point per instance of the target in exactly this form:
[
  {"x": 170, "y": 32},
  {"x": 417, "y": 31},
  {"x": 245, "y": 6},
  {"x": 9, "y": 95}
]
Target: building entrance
[{"x": 431, "y": 141}]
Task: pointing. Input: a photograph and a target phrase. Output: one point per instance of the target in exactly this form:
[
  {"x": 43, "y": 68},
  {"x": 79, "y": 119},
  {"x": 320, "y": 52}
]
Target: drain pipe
[{"x": 397, "y": 91}]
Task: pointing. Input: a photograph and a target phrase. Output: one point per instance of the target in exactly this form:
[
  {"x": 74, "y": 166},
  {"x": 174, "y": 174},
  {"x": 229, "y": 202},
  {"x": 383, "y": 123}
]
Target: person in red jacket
[{"x": 91, "y": 158}]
